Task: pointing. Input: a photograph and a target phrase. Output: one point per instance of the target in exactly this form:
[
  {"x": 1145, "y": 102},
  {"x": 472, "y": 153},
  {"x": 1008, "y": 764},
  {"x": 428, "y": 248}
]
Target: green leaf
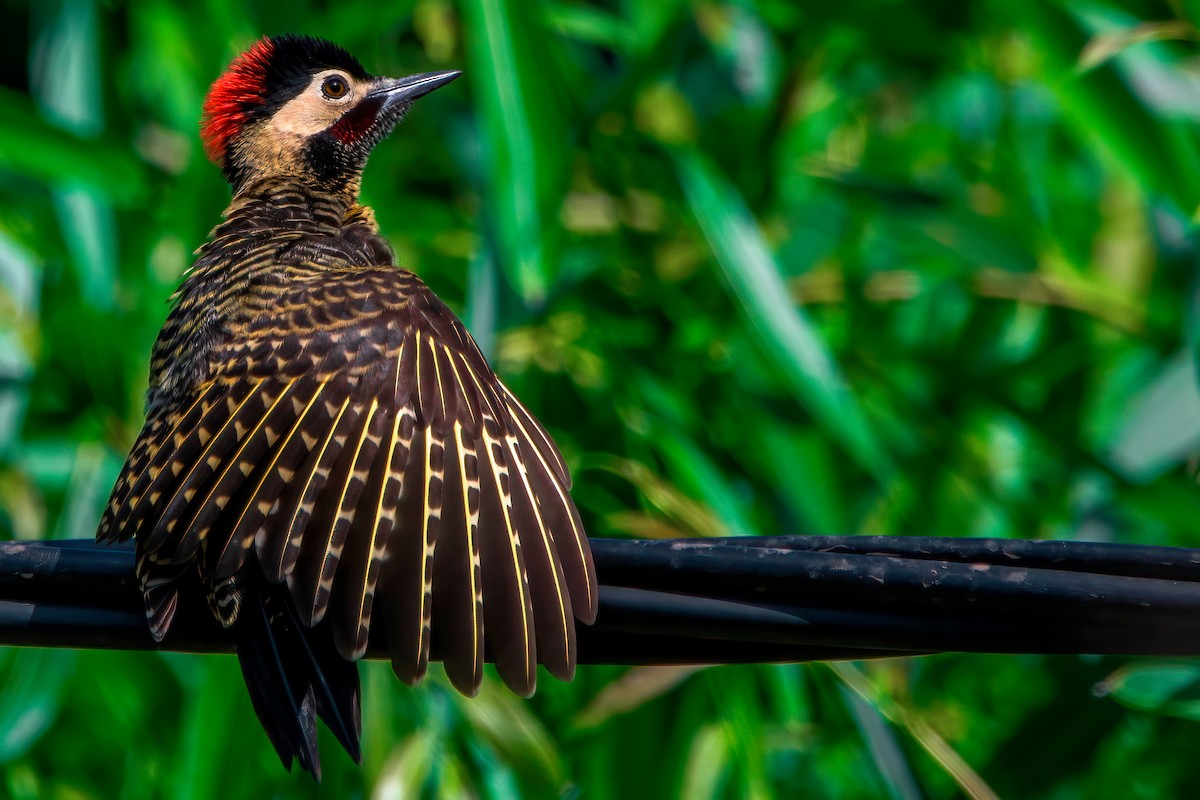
[
  {"x": 1171, "y": 689},
  {"x": 31, "y": 689},
  {"x": 32, "y": 147},
  {"x": 1162, "y": 426}
]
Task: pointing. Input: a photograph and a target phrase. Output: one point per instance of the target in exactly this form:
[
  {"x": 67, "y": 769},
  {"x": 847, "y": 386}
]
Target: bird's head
[{"x": 302, "y": 107}]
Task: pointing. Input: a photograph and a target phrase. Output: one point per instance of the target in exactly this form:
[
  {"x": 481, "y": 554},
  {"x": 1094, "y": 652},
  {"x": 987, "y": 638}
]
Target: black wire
[
  {"x": 733, "y": 600},
  {"x": 1107, "y": 558}
]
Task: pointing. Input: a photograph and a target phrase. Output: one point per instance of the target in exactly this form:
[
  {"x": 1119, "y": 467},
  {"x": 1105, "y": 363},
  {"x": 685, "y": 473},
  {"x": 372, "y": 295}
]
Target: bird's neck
[
  {"x": 277, "y": 223},
  {"x": 277, "y": 229},
  {"x": 296, "y": 204}
]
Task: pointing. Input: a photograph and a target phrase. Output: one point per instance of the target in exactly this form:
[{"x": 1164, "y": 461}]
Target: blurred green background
[{"x": 776, "y": 267}]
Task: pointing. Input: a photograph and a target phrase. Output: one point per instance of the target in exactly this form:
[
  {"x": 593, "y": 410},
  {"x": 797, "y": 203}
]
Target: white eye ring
[{"x": 335, "y": 87}]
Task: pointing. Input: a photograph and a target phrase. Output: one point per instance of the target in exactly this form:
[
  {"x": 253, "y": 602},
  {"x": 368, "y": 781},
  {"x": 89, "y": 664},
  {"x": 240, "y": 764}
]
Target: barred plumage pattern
[{"x": 318, "y": 418}]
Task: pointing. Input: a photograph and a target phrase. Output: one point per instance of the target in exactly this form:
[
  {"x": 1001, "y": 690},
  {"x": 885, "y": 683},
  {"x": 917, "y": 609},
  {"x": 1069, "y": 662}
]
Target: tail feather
[
  {"x": 295, "y": 675},
  {"x": 334, "y": 683}
]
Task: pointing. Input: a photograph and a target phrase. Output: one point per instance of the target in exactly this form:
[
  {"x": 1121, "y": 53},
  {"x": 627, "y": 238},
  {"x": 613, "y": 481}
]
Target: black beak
[{"x": 394, "y": 91}]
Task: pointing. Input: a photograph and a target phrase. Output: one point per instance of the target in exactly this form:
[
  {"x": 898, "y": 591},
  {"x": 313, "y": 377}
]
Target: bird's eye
[{"x": 335, "y": 87}]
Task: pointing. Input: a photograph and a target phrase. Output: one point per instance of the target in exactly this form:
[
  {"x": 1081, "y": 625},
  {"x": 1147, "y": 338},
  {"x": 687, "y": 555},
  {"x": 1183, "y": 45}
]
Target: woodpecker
[{"x": 325, "y": 446}]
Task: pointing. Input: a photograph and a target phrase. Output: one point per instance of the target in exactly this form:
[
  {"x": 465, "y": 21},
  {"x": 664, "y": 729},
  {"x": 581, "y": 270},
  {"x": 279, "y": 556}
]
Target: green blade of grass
[
  {"x": 1107, "y": 114},
  {"x": 794, "y": 345},
  {"x": 969, "y": 781},
  {"x": 510, "y": 70}
]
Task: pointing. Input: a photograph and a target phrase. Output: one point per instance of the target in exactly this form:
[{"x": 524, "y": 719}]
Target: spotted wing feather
[{"x": 353, "y": 443}]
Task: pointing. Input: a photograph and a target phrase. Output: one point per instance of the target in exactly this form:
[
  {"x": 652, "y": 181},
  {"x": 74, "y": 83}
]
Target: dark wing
[{"x": 354, "y": 442}]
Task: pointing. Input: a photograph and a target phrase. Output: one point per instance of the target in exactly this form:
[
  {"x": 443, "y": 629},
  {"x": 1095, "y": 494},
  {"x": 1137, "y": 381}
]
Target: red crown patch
[{"x": 232, "y": 98}]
